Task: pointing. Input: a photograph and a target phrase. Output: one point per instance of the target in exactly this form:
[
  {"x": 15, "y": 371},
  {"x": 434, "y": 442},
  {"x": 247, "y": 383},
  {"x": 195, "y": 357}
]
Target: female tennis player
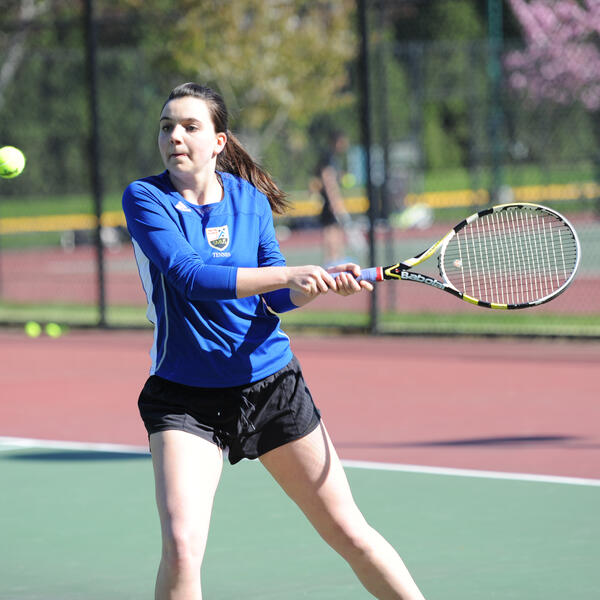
[{"x": 223, "y": 377}]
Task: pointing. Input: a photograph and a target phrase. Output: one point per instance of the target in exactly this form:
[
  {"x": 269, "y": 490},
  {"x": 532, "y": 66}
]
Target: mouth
[{"x": 177, "y": 154}]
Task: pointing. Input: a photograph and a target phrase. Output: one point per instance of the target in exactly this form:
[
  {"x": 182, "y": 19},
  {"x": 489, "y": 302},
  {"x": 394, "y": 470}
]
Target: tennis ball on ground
[
  {"x": 54, "y": 330},
  {"x": 33, "y": 329},
  {"x": 12, "y": 162}
]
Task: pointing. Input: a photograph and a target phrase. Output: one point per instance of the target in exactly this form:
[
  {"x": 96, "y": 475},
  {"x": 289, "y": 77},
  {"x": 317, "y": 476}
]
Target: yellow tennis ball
[
  {"x": 53, "y": 330},
  {"x": 33, "y": 329},
  {"x": 12, "y": 162},
  {"x": 348, "y": 180}
]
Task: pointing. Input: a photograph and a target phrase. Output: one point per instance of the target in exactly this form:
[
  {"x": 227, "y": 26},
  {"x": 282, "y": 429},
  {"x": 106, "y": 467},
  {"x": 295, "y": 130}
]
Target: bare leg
[
  {"x": 187, "y": 470},
  {"x": 333, "y": 244},
  {"x": 311, "y": 474}
]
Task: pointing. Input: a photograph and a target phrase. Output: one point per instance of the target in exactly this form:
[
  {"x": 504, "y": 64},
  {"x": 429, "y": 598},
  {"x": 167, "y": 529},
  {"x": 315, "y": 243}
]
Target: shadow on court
[{"x": 518, "y": 440}]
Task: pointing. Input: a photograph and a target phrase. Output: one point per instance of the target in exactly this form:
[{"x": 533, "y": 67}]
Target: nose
[{"x": 175, "y": 136}]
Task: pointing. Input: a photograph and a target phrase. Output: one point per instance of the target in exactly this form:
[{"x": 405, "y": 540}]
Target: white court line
[
  {"x": 13, "y": 443},
  {"x": 360, "y": 464}
]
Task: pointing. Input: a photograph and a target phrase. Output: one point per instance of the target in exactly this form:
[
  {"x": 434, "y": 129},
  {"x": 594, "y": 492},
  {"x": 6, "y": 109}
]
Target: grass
[
  {"x": 481, "y": 322},
  {"x": 75, "y": 315},
  {"x": 509, "y": 324},
  {"x": 443, "y": 180},
  {"x": 31, "y": 206}
]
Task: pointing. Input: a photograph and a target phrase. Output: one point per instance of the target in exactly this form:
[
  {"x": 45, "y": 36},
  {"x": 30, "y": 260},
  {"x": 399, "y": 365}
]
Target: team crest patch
[{"x": 218, "y": 237}]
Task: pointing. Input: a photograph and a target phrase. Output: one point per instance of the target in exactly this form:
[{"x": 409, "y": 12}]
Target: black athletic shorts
[
  {"x": 327, "y": 216},
  {"x": 246, "y": 421}
]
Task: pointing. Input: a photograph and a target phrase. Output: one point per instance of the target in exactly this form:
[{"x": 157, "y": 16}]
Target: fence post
[
  {"x": 495, "y": 37},
  {"x": 94, "y": 149},
  {"x": 366, "y": 137}
]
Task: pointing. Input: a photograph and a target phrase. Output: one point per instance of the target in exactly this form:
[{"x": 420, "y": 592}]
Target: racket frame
[{"x": 402, "y": 271}]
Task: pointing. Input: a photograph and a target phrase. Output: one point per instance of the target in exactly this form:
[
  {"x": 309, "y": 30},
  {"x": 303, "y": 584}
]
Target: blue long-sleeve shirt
[{"x": 188, "y": 256}]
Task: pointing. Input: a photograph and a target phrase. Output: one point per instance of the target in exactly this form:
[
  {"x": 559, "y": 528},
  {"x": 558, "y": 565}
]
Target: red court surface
[{"x": 517, "y": 406}]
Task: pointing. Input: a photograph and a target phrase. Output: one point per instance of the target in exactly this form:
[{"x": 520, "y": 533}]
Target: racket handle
[{"x": 372, "y": 274}]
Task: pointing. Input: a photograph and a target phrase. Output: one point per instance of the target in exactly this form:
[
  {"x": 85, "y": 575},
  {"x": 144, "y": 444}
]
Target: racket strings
[{"x": 513, "y": 256}]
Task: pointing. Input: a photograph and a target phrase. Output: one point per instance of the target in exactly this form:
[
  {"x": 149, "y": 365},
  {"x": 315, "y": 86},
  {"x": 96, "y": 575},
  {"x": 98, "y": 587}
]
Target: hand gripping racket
[{"x": 508, "y": 256}]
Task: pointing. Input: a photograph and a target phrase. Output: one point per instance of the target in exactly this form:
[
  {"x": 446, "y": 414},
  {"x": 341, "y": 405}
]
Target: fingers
[
  {"x": 312, "y": 280},
  {"x": 345, "y": 267},
  {"x": 346, "y": 279},
  {"x": 348, "y": 285},
  {"x": 323, "y": 282}
]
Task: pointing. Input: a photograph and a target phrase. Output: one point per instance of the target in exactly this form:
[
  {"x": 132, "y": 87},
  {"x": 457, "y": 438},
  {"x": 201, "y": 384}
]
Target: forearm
[
  {"x": 307, "y": 280},
  {"x": 299, "y": 299},
  {"x": 253, "y": 281}
]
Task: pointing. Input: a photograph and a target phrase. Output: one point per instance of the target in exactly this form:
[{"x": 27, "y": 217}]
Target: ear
[{"x": 220, "y": 141}]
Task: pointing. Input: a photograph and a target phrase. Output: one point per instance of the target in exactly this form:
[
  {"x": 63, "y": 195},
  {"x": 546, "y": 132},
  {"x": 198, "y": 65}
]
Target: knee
[
  {"x": 182, "y": 552},
  {"x": 352, "y": 539}
]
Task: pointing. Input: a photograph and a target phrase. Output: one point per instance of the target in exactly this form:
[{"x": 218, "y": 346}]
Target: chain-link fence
[{"x": 452, "y": 133}]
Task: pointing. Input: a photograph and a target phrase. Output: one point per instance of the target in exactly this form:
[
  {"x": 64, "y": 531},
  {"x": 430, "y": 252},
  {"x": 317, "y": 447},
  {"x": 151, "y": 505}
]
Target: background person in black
[{"x": 334, "y": 216}]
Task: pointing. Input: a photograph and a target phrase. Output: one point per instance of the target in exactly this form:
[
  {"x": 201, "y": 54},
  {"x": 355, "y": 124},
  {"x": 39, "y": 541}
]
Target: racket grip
[{"x": 371, "y": 274}]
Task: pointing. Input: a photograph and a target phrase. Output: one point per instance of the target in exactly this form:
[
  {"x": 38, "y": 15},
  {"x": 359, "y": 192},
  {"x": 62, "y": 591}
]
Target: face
[
  {"x": 341, "y": 144},
  {"x": 187, "y": 140}
]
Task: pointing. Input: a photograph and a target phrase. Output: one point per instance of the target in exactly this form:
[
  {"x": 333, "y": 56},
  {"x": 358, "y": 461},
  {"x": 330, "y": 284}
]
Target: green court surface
[{"x": 82, "y": 525}]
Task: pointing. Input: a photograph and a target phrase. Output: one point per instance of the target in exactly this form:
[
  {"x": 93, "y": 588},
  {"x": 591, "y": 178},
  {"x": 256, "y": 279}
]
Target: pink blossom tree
[{"x": 561, "y": 58}]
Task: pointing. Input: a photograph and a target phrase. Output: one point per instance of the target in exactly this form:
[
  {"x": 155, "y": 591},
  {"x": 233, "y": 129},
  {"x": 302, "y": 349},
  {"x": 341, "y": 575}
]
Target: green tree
[
  {"x": 447, "y": 28},
  {"x": 437, "y": 20},
  {"x": 13, "y": 40},
  {"x": 274, "y": 61}
]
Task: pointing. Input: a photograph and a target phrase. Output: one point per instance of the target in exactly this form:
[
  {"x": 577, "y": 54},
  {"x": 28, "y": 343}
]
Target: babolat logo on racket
[{"x": 421, "y": 279}]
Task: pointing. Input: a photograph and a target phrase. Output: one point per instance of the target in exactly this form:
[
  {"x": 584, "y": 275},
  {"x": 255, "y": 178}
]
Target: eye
[
  {"x": 191, "y": 128},
  {"x": 166, "y": 128}
]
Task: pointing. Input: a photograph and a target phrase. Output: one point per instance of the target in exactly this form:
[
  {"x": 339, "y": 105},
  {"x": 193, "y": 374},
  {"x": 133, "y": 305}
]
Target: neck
[{"x": 198, "y": 189}]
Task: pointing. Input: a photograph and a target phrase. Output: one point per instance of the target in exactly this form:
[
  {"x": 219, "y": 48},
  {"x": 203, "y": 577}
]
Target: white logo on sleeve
[
  {"x": 182, "y": 207},
  {"x": 218, "y": 238}
]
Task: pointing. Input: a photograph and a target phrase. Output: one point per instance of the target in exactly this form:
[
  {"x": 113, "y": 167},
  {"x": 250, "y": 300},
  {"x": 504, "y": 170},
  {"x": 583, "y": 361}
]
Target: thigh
[
  {"x": 187, "y": 469},
  {"x": 310, "y": 472}
]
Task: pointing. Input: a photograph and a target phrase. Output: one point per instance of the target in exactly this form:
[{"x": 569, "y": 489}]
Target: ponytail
[{"x": 235, "y": 159}]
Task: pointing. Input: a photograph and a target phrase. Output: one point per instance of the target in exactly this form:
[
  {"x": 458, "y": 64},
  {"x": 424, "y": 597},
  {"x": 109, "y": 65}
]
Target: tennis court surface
[{"x": 479, "y": 460}]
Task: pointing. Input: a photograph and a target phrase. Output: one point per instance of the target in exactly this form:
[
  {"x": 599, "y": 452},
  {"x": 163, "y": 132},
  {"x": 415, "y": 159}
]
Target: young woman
[{"x": 223, "y": 376}]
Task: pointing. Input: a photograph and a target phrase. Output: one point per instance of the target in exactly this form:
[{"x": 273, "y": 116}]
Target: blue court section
[{"x": 82, "y": 525}]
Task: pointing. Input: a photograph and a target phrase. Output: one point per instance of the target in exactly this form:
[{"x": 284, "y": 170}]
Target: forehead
[{"x": 188, "y": 107}]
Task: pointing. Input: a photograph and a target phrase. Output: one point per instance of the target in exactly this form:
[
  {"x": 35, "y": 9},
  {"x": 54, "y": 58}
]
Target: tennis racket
[{"x": 508, "y": 256}]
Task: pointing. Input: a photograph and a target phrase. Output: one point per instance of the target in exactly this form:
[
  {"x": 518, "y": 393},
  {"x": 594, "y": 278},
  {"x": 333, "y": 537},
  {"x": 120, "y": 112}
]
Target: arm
[
  {"x": 161, "y": 240},
  {"x": 305, "y": 282}
]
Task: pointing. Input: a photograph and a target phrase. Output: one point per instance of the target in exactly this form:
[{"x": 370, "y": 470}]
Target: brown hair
[{"x": 234, "y": 158}]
